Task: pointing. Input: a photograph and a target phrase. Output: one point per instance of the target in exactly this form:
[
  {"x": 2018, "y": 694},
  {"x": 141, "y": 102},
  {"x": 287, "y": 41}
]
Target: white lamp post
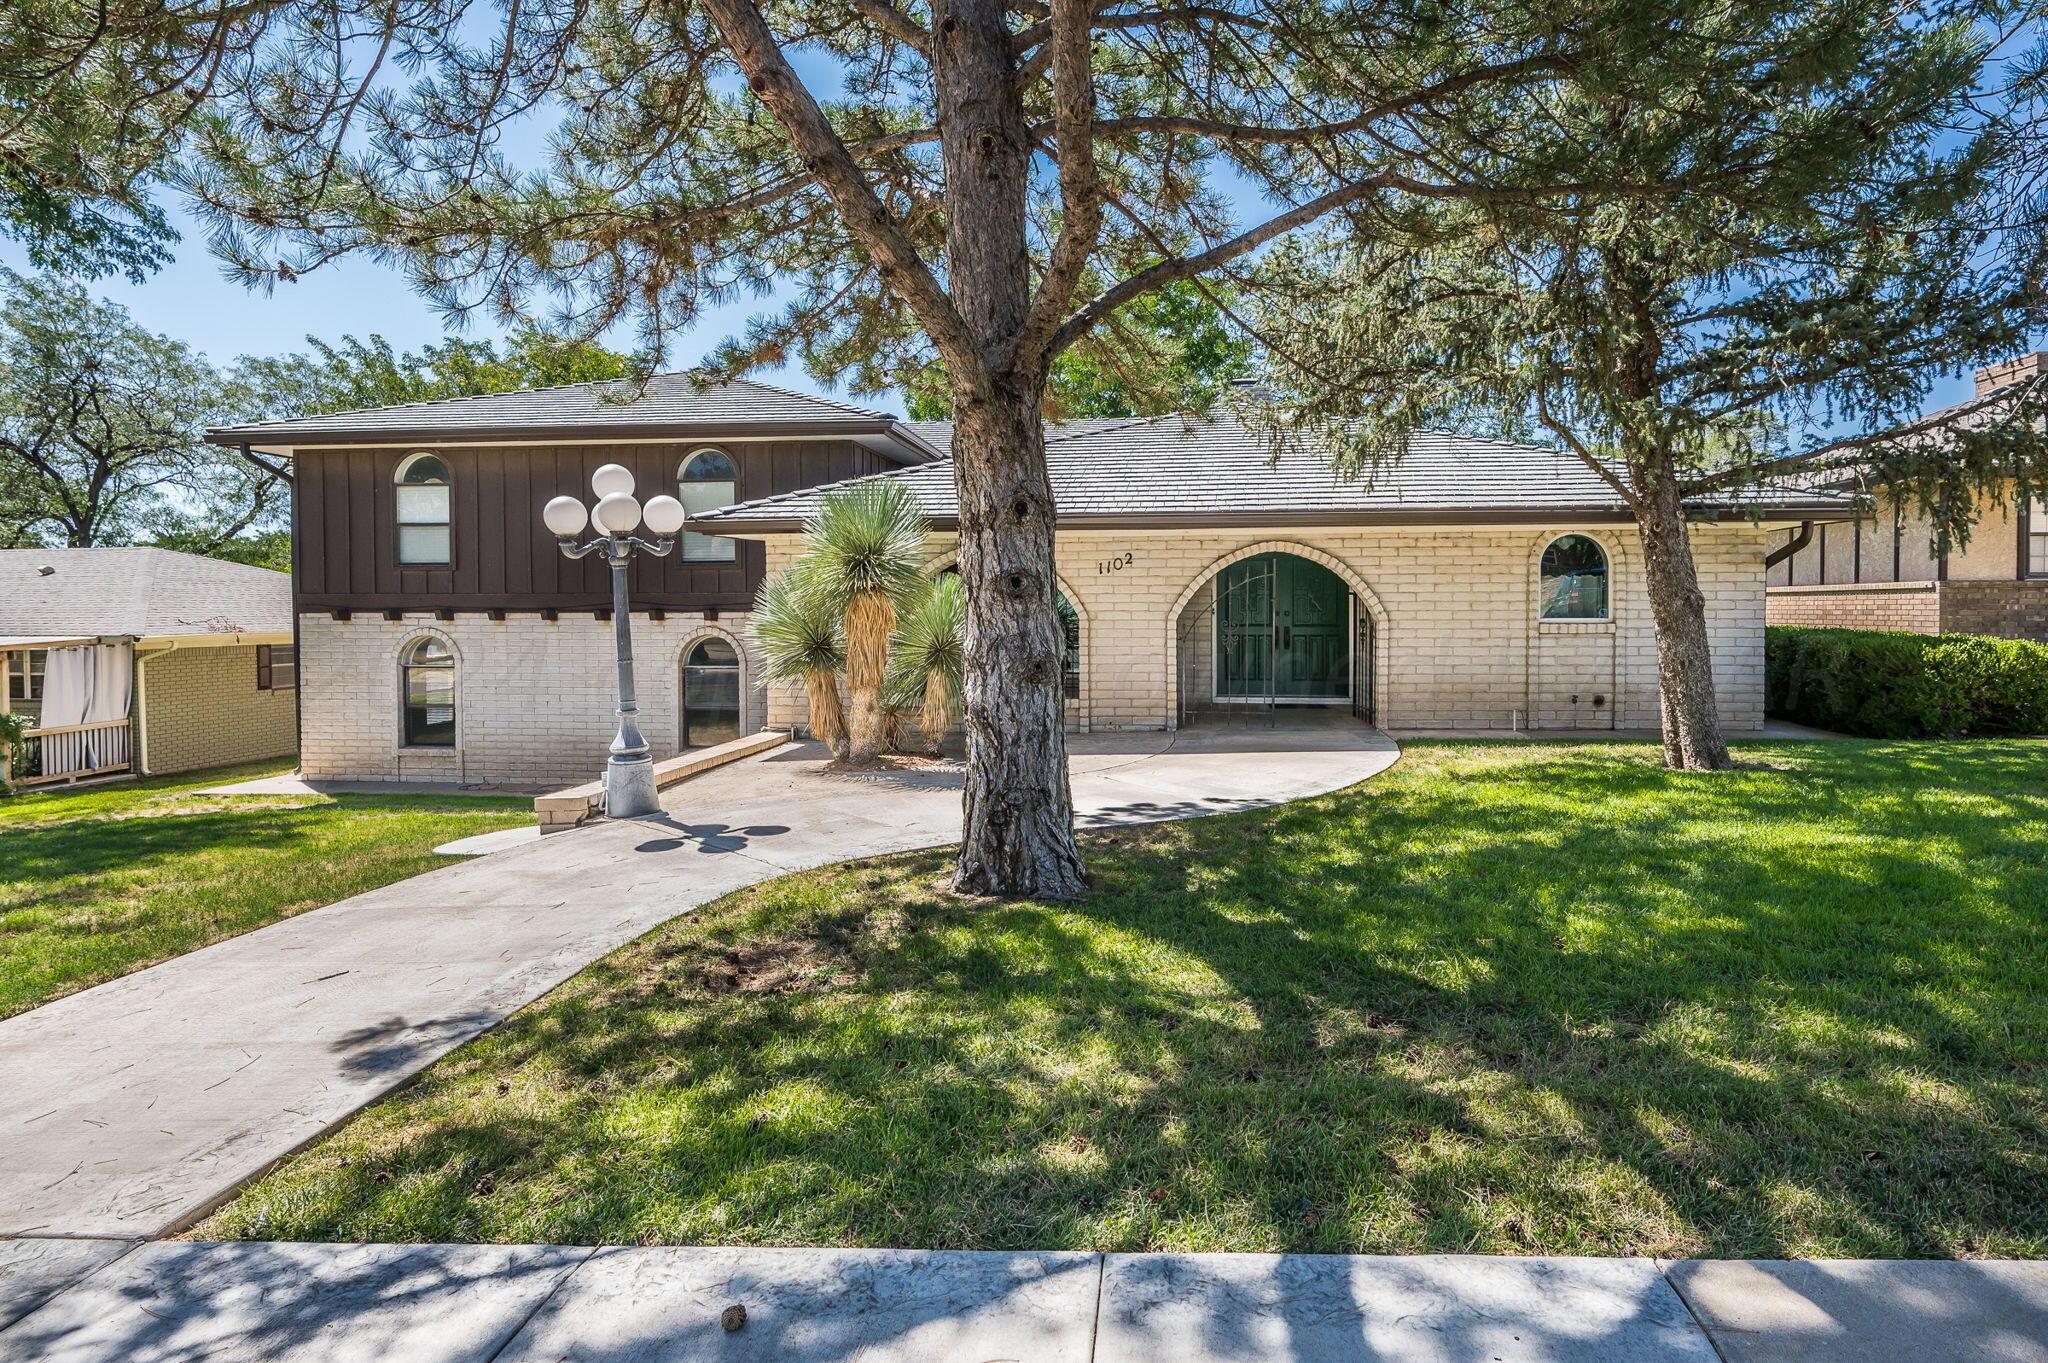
[{"x": 629, "y": 773}]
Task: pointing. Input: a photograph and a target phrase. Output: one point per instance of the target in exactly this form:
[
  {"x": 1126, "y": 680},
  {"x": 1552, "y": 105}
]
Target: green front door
[{"x": 1286, "y": 616}]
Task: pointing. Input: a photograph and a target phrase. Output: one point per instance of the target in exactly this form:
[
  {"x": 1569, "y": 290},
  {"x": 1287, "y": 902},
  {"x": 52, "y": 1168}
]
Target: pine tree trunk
[
  {"x": 870, "y": 616},
  {"x": 1685, "y": 659},
  {"x": 1019, "y": 835}
]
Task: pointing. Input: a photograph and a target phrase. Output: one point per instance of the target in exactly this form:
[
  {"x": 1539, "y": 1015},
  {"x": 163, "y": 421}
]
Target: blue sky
[{"x": 191, "y": 300}]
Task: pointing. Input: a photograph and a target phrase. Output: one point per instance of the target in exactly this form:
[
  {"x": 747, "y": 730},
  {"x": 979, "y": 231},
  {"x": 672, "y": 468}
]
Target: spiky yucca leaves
[
  {"x": 797, "y": 634},
  {"x": 929, "y": 655},
  {"x": 861, "y": 552}
]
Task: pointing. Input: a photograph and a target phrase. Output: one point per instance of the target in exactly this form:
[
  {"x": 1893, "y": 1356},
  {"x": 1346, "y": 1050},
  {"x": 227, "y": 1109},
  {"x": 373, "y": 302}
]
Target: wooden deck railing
[{"x": 73, "y": 752}]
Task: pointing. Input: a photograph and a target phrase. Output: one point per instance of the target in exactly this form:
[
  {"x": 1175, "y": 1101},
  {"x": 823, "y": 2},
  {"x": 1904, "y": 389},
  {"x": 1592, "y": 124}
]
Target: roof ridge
[
  {"x": 809, "y": 397},
  {"x": 449, "y": 402}
]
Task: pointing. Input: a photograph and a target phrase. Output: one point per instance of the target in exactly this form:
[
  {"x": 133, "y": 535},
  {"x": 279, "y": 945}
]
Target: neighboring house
[
  {"x": 144, "y": 660},
  {"x": 1480, "y": 584},
  {"x": 1879, "y": 570}
]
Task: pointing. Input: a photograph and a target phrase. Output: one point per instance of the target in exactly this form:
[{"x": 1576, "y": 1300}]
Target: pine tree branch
[
  {"x": 1563, "y": 431},
  {"x": 1183, "y": 267},
  {"x": 896, "y": 23},
  {"x": 1080, "y": 181},
  {"x": 1826, "y": 455},
  {"x": 776, "y": 84}
]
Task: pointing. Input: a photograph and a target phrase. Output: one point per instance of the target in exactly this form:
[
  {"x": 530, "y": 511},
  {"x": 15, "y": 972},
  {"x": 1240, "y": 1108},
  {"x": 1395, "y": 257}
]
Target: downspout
[
  {"x": 1799, "y": 541},
  {"x": 142, "y": 706}
]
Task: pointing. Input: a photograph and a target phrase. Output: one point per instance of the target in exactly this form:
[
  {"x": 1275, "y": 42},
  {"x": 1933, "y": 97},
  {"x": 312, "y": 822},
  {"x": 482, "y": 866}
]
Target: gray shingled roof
[
  {"x": 143, "y": 592},
  {"x": 1177, "y": 469},
  {"x": 678, "y": 402}
]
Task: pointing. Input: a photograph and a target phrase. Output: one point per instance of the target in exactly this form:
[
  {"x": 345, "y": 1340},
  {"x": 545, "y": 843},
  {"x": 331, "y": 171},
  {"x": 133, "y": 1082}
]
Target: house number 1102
[{"x": 1113, "y": 565}]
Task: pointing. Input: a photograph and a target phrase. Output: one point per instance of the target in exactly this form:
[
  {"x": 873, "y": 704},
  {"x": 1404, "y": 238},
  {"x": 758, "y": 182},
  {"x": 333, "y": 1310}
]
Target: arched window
[
  {"x": 423, "y": 510},
  {"x": 711, "y": 694},
  {"x": 1574, "y": 580},
  {"x": 427, "y": 684},
  {"x": 707, "y": 481}
]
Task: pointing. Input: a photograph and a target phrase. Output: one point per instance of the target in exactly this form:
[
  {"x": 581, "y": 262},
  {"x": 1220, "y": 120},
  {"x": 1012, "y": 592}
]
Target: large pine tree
[
  {"x": 972, "y": 183},
  {"x": 1696, "y": 347}
]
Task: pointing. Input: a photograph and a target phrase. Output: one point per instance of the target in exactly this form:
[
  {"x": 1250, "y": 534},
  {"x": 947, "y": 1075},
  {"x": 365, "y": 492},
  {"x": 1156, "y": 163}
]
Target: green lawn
[
  {"x": 1506, "y": 998},
  {"x": 98, "y": 882}
]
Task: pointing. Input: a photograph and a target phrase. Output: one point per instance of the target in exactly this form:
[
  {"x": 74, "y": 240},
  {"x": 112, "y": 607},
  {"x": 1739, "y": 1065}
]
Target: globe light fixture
[
  {"x": 629, "y": 769},
  {"x": 616, "y": 513},
  {"x": 611, "y": 478},
  {"x": 564, "y": 517},
  {"x": 664, "y": 515}
]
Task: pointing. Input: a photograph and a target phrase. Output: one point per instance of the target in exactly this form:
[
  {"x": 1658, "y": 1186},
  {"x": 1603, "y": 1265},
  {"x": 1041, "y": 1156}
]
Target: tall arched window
[
  {"x": 427, "y": 685},
  {"x": 707, "y": 481},
  {"x": 711, "y": 694},
  {"x": 423, "y": 511},
  {"x": 1574, "y": 580}
]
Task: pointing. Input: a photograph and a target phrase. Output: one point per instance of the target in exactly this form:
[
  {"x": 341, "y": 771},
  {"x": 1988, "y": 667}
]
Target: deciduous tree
[{"x": 102, "y": 427}]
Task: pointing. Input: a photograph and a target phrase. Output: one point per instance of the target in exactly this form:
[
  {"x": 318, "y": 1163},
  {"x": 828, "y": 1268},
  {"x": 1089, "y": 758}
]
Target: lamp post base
[{"x": 629, "y": 789}]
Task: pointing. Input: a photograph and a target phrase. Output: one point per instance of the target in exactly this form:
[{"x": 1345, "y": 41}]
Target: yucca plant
[
  {"x": 861, "y": 552},
  {"x": 929, "y": 656},
  {"x": 895, "y": 725},
  {"x": 797, "y": 636}
]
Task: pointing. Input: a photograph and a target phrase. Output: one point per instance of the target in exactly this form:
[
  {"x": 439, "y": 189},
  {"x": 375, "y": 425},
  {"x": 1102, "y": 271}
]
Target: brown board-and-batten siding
[{"x": 345, "y": 541}]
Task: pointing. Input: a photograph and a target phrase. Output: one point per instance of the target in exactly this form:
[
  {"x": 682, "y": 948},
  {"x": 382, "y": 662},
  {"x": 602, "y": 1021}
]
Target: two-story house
[
  {"x": 1477, "y": 584},
  {"x": 444, "y": 635}
]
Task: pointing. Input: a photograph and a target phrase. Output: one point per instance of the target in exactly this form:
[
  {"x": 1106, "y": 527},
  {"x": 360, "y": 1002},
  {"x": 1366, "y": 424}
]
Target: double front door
[{"x": 1283, "y": 631}]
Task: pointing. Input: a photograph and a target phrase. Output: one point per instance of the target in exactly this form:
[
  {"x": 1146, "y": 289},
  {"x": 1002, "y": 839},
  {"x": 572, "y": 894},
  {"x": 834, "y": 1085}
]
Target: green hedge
[{"x": 1887, "y": 684}]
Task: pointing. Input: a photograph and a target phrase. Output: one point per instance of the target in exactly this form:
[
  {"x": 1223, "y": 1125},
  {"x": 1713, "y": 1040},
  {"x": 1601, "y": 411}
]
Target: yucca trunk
[
  {"x": 828, "y": 717},
  {"x": 937, "y": 715},
  {"x": 870, "y": 617},
  {"x": 895, "y": 730}
]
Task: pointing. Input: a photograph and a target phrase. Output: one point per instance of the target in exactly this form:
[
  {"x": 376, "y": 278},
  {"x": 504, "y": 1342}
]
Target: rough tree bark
[
  {"x": 1018, "y": 836},
  {"x": 1685, "y": 658},
  {"x": 996, "y": 340},
  {"x": 1019, "y": 812}
]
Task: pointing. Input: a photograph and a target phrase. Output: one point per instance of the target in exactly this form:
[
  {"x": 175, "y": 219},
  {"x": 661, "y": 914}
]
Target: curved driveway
[{"x": 133, "y": 1108}]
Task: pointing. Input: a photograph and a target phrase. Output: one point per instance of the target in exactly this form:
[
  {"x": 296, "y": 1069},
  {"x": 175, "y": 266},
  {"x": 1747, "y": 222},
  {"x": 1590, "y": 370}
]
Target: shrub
[{"x": 1887, "y": 684}]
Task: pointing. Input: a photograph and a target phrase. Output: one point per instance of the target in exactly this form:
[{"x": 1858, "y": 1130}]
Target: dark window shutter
[{"x": 263, "y": 667}]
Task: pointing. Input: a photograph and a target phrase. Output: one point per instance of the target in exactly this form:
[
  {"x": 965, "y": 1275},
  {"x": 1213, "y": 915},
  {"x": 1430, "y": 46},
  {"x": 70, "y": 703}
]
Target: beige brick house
[
  {"x": 1477, "y": 584},
  {"x": 144, "y": 661},
  {"x": 1878, "y": 570}
]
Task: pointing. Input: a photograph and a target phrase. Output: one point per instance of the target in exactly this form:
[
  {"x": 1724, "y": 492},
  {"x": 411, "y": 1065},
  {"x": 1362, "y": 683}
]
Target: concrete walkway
[
  {"x": 172, "y": 1302},
  {"x": 133, "y": 1108}
]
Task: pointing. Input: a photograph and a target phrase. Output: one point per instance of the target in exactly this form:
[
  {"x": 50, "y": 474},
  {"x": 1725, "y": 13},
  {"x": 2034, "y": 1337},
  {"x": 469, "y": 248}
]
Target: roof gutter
[{"x": 1447, "y": 516}]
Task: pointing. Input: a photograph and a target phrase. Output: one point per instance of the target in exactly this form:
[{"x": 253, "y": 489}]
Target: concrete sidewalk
[
  {"x": 169, "y": 1302},
  {"x": 132, "y": 1108}
]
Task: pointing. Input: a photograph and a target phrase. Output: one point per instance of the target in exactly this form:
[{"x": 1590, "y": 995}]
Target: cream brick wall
[
  {"x": 1457, "y": 641},
  {"x": 534, "y": 698},
  {"x": 199, "y": 707}
]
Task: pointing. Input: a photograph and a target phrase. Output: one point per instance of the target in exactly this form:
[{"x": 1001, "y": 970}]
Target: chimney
[{"x": 2009, "y": 372}]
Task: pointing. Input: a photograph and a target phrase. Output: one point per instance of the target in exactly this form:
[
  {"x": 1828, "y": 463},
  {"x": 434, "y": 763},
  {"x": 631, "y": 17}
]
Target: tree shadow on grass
[{"x": 1496, "y": 1001}]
